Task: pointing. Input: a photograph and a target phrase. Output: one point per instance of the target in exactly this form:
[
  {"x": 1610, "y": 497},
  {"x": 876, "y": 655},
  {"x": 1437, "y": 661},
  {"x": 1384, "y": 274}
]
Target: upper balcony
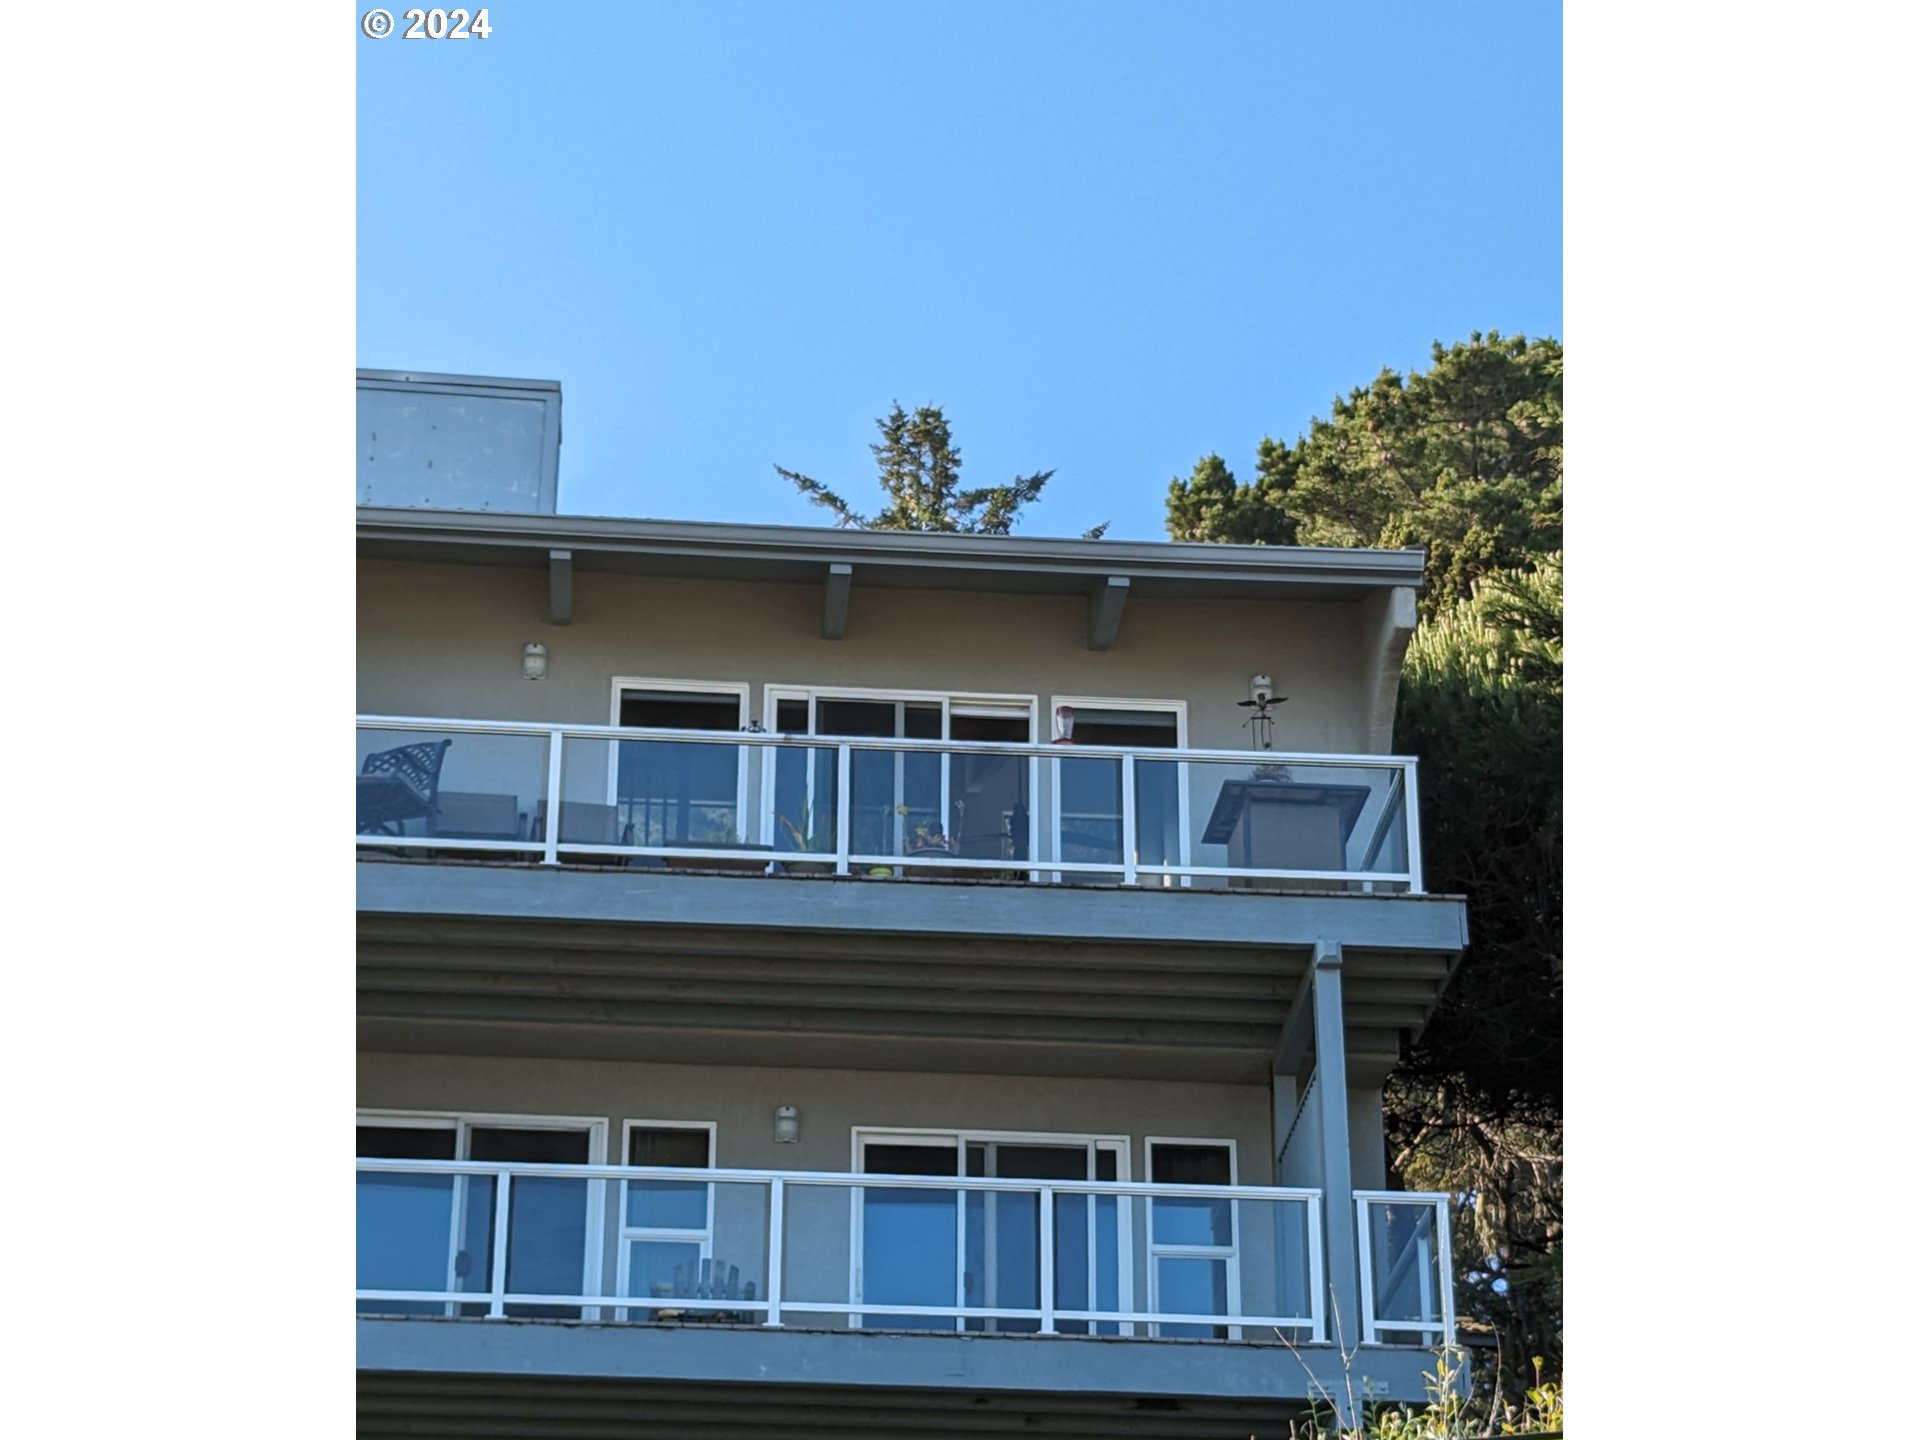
[
  {"x": 915, "y": 904},
  {"x": 888, "y": 808}
]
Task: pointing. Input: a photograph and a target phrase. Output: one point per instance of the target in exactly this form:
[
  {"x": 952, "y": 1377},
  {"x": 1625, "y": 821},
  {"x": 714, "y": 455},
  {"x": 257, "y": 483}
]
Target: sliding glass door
[
  {"x": 981, "y": 1249},
  {"x": 436, "y": 1232},
  {"x": 904, "y": 802}
]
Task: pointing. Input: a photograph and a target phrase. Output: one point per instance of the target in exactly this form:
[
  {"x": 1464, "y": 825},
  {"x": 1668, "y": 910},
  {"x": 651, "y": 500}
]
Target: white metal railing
[
  {"x": 1406, "y": 1266},
  {"x": 1158, "y": 816},
  {"x": 778, "y": 1247}
]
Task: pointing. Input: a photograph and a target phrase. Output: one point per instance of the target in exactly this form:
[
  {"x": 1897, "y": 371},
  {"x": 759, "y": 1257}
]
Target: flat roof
[{"x": 901, "y": 559}]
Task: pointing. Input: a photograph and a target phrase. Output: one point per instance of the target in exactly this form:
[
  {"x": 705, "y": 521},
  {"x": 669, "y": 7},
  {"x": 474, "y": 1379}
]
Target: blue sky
[{"x": 1106, "y": 238}]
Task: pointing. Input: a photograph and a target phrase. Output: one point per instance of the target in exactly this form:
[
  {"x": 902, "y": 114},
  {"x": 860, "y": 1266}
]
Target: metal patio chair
[{"x": 398, "y": 785}]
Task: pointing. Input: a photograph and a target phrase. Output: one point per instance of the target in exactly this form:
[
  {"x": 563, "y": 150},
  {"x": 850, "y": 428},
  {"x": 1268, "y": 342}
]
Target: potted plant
[{"x": 802, "y": 837}]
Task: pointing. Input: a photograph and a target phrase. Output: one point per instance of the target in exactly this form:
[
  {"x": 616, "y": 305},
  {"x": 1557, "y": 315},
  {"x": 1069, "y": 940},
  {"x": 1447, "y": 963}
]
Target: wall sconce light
[
  {"x": 533, "y": 661},
  {"x": 786, "y": 1125},
  {"x": 1260, "y": 699}
]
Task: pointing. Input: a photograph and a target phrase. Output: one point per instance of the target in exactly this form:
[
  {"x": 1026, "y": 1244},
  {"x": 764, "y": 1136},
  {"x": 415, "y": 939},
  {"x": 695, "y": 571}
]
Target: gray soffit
[
  {"x": 911, "y": 975},
  {"x": 891, "y": 559}
]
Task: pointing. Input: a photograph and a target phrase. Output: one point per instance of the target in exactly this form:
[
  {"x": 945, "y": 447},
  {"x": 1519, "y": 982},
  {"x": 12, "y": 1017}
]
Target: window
[
  {"x": 666, "y": 1226},
  {"x": 679, "y": 792},
  {"x": 435, "y": 1232},
  {"x": 1193, "y": 1255},
  {"x": 1089, "y": 810}
]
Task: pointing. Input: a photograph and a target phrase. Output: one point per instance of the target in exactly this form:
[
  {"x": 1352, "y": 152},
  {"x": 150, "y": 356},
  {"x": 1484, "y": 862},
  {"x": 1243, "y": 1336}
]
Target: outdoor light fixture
[
  {"x": 786, "y": 1125},
  {"x": 1063, "y": 725},
  {"x": 533, "y": 661},
  {"x": 1260, "y": 699}
]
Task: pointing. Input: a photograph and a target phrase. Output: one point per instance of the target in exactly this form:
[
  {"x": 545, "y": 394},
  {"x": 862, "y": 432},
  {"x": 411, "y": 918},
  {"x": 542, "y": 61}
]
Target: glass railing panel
[
  {"x": 802, "y": 810},
  {"x": 695, "y": 1251},
  {"x": 404, "y": 1226},
  {"x": 897, "y": 803},
  {"x": 659, "y": 793},
  {"x": 1087, "y": 820},
  {"x": 449, "y": 786},
  {"x": 1407, "y": 1272},
  {"x": 1256, "y": 821},
  {"x": 1247, "y": 1261},
  {"x": 909, "y": 1256},
  {"x": 818, "y": 1245},
  {"x": 550, "y": 1242}
]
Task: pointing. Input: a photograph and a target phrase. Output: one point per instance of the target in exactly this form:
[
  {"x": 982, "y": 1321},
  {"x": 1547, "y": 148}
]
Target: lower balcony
[{"x": 1203, "y": 1300}]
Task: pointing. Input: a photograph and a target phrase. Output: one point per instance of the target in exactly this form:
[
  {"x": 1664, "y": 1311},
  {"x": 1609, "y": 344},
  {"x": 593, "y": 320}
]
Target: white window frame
[
  {"x": 1229, "y": 1253},
  {"x": 463, "y": 1123},
  {"x": 1178, "y": 709},
  {"x": 741, "y": 689},
  {"x": 933, "y": 1137},
  {"x": 629, "y": 1234},
  {"x": 951, "y": 702}
]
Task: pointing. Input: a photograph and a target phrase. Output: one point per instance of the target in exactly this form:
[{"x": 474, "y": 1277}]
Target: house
[{"x": 823, "y": 982}]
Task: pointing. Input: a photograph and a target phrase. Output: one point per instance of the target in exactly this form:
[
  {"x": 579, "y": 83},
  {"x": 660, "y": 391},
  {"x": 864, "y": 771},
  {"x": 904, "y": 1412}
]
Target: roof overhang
[{"x": 1106, "y": 571}]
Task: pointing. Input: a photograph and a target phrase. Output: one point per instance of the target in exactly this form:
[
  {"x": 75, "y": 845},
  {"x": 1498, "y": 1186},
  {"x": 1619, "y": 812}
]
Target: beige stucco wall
[
  {"x": 446, "y": 640},
  {"x": 741, "y": 1099}
]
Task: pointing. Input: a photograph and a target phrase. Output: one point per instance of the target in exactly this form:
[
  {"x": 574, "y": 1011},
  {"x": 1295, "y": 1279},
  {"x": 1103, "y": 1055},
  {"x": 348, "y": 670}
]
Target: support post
[{"x": 1336, "y": 1158}]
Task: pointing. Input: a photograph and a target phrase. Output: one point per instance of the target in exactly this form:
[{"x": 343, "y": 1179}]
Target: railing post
[
  {"x": 1364, "y": 1239},
  {"x": 555, "y": 761},
  {"x": 1047, "y": 1325},
  {"x": 1129, "y": 825},
  {"x": 1444, "y": 1219},
  {"x": 776, "y": 1245},
  {"x": 1410, "y": 803},
  {"x": 497, "y": 1279},
  {"x": 842, "y": 808},
  {"x": 1316, "y": 1271},
  {"x": 1336, "y": 1154}
]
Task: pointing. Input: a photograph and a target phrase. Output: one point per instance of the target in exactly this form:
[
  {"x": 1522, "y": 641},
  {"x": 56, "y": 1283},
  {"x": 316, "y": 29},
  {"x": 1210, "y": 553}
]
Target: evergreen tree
[
  {"x": 1463, "y": 459},
  {"x": 920, "y": 473},
  {"x": 1476, "y": 1109}
]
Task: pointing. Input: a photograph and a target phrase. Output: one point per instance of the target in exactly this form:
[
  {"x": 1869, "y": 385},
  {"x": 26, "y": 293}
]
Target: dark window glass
[
  {"x": 668, "y": 1147},
  {"x": 535, "y": 1147},
  {"x": 663, "y": 710},
  {"x": 1192, "y": 1165},
  {"x": 404, "y": 1142},
  {"x": 913, "y": 1160}
]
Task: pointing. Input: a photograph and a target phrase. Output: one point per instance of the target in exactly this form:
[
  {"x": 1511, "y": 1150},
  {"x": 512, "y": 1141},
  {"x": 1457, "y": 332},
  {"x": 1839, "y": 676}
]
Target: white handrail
[
  {"x": 1058, "y": 751},
  {"x": 843, "y": 1179}
]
